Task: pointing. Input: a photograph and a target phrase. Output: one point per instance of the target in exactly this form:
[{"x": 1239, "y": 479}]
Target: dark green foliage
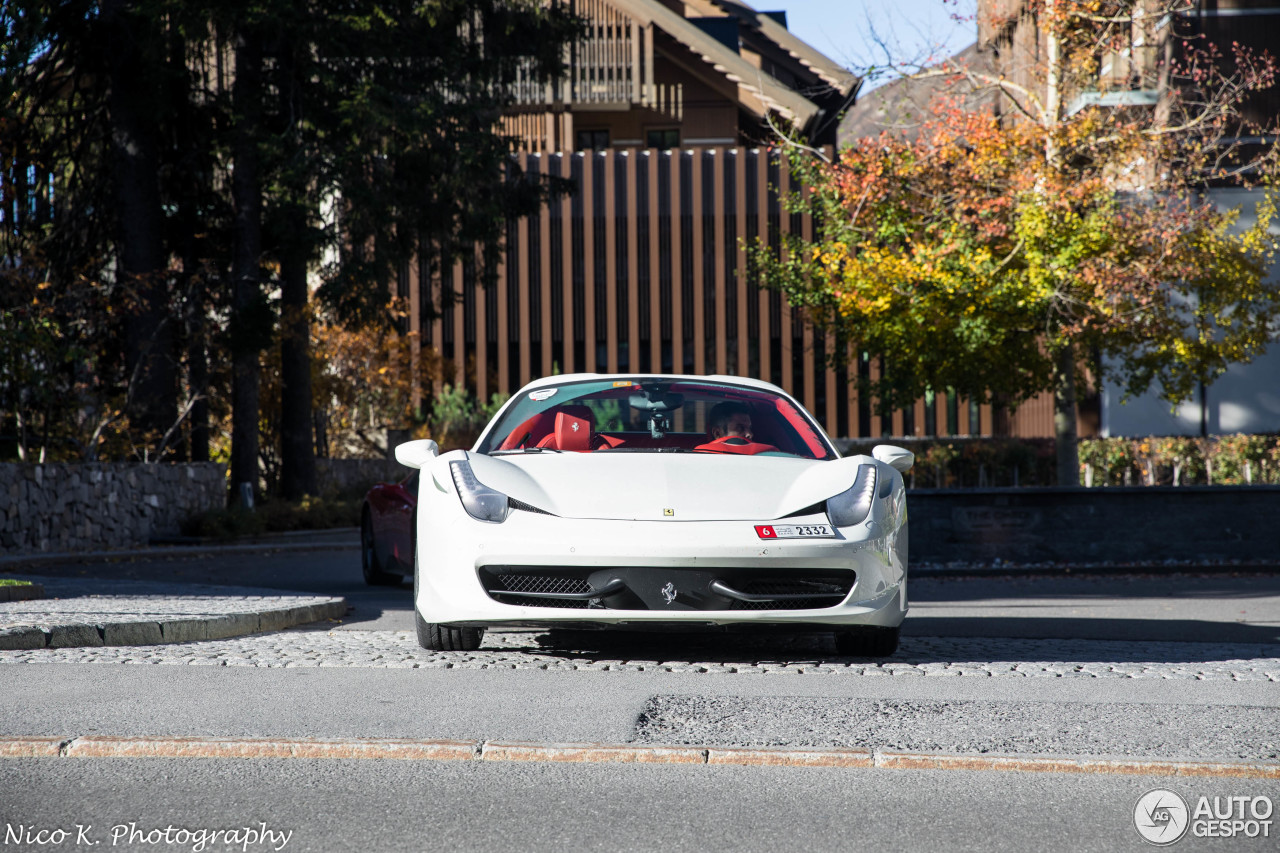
[
  {"x": 275, "y": 517},
  {"x": 409, "y": 140},
  {"x": 372, "y": 140}
]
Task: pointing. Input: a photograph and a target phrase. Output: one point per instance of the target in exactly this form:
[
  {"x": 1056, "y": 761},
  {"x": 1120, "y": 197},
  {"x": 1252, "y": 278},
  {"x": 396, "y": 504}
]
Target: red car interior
[
  {"x": 571, "y": 427},
  {"x": 529, "y": 433},
  {"x": 574, "y": 426},
  {"x": 735, "y": 444}
]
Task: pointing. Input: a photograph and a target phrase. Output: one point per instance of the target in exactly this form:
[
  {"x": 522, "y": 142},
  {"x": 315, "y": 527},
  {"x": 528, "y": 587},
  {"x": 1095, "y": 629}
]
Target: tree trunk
[
  {"x": 149, "y": 335},
  {"x": 1053, "y": 87},
  {"x": 189, "y": 188},
  {"x": 248, "y": 308},
  {"x": 197, "y": 374},
  {"x": 297, "y": 451},
  {"x": 1064, "y": 418}
]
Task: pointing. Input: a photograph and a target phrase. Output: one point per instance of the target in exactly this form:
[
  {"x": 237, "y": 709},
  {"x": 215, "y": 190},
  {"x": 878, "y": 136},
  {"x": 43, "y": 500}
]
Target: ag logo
[{"x": 1160, "y": 817}]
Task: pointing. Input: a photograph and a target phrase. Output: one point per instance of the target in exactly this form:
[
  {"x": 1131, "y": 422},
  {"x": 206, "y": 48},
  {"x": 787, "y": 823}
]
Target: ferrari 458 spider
[{"x": 629, "y": 501}]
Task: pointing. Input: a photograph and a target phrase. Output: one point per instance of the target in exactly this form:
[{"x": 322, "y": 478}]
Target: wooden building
[
  {"x": 667, "y": 74},
  {"x": 660, "y": 123}
]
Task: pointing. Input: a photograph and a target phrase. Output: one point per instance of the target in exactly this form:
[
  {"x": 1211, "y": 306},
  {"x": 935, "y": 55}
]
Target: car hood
[{"x": 648, "y": 486}]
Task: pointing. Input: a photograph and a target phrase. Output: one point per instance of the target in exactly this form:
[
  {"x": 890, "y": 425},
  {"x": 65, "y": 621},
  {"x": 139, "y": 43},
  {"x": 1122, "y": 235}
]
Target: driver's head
[{"x": 729, "y": 418}]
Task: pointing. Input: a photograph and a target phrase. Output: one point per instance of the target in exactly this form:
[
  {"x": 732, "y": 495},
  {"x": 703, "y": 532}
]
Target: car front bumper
[{"x": 454, "y": 549}]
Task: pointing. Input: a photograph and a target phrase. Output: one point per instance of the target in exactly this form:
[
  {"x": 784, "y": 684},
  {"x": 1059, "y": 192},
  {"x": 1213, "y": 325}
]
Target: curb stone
[
  {"x": 24, "y": 592},
  {"x": 106, "y": 746},
  {"x": 22, "y": 638},
  {"x": 152, "y": 631}
]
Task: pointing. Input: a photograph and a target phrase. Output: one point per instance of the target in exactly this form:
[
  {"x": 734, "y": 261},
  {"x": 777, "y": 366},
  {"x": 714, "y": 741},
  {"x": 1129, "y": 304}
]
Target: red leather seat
[
  {"x": 574, "y": 427},
  {"x": 531, "y": 432}
]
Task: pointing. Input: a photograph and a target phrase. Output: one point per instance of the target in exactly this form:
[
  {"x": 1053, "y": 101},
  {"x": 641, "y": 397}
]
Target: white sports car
[{"x": 688, "y": 502}]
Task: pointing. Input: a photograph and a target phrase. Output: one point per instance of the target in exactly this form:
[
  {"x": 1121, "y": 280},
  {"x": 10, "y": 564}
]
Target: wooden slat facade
[{"x": 643, "y": 270}]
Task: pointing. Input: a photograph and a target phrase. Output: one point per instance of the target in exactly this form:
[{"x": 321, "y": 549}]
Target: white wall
[{"x": 1244, "y": 399}]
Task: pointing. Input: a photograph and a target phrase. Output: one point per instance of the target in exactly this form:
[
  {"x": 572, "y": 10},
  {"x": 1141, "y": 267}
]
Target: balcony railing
[{"x": 612, "y": 66}]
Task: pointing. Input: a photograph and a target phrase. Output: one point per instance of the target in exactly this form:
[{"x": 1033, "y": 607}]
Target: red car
[{"x": 387, "y": 534}]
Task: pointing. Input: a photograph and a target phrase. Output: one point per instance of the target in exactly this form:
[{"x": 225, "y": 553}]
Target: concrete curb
[
  {"x": 178, "y": 629},
  {"x": 95, "y": 746},
  {"x": 102, "y": 746},
  {"x": 24, "y": 592}
]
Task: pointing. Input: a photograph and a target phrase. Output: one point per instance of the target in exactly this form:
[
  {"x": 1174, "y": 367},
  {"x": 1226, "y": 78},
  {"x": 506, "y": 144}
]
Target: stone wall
[
  {"x": 354, "y": 477},
  {"x": 86, "y": 506},
  {"x": 1095, "y": 525}
]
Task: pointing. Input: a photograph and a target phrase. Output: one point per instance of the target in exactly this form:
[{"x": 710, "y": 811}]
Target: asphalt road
[
  {"x": 1183, "y": 667},
  {"x": 414, "y": 806}
]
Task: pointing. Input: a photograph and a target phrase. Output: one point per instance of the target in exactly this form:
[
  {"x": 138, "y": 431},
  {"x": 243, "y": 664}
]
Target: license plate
[{"x": 794, "y": 531}]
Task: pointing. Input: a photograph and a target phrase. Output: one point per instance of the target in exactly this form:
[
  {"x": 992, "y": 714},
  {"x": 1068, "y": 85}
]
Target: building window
[
  {"x": 668, "y": 138},
  {"x": 593, "y": 139}
]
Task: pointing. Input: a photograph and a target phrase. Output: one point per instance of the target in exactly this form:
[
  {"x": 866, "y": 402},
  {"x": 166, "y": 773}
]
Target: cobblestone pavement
[
  {"x": 78, "y": 601},
  {"x": 129, "y": 613},
  {"x": 796, "y": 655}
]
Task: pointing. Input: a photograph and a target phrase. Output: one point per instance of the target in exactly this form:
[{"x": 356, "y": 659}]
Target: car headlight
[
  {"x": 479, "y": 500},
  {"x": 853, "y": 505}
]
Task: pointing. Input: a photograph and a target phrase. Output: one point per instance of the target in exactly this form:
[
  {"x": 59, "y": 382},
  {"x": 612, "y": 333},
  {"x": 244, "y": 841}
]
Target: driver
[{"x": 729, "y": 419}]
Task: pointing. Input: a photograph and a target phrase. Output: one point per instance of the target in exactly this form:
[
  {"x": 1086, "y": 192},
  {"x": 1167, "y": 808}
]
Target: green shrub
[
  {"x": 1152, "y": 460},
  {"x": 1181, "y": 460},
  {"x": 963, "y": 462},
  {"x": 275, "y": 517}
]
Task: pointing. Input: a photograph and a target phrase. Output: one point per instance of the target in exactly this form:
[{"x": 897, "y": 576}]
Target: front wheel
[
  {"x": 868, "y": 642},
  {"x": 442, "y": 638}
]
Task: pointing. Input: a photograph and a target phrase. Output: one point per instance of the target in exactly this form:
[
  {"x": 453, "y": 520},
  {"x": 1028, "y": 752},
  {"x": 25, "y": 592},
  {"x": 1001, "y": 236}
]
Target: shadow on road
[
  {"x": 1242, "y": 586},
  {"x": 792, "y": 648},
  {"x": 1093, "y": 628}
]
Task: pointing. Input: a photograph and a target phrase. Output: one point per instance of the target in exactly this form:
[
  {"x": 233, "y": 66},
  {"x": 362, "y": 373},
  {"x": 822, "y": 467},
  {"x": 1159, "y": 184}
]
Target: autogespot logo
[{"x": 1161, "y": 817}]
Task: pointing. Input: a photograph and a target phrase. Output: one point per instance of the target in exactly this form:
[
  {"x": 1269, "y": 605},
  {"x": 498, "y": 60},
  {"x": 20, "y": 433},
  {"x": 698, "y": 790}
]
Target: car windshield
[{"x": 667, "y": 415}]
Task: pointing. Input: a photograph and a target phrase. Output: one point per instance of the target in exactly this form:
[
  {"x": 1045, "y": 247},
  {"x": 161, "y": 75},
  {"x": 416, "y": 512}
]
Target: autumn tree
[{"x": 1007, "y": 252}]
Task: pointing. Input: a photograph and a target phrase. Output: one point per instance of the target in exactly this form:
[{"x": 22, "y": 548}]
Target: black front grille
[
  {"x": 505, "y": 586},
  {"x": 660, "y": 588},
  {"x": 541, "y": 583}
]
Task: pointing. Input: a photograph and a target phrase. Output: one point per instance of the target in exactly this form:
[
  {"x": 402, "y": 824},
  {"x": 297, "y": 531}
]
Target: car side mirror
[
  {"x": 897, "y": 458},
  {"x": 416, "y": 454}
]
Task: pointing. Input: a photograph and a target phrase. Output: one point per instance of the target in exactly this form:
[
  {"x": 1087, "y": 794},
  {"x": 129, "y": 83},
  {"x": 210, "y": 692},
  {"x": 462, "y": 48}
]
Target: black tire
[
  {"x": 442, "y": 638},
  {"x": 868, "y": 642},
  {"x": 369, "y": 565}
]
